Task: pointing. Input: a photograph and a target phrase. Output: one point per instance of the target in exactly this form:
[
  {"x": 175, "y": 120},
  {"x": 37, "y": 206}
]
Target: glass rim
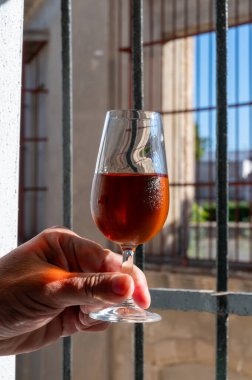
[{"x": 133, "y": 113}]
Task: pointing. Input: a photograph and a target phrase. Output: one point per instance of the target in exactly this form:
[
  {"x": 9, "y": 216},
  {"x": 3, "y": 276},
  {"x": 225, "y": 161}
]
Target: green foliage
[
  {"x": 240, "y": 211},
  {"x": 199, "y": 214},
  {"x": 237, "y": 211},
  {"x": 200, "y": 144}
]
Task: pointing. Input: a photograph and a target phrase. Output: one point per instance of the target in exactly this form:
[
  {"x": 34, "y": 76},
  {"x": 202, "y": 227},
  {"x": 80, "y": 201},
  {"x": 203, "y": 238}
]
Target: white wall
[{"x": 11, "y": 28}]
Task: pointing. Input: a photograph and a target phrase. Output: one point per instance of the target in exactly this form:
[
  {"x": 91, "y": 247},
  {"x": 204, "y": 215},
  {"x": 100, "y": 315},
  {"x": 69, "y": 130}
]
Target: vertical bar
[
  {"x": 11, "y": 32},
  {"x": 198, "y": 119},
  {"x": 35, "y": 175},
  {"x": 174, "y": 196},
  {"x": 222, "y": 188},
  {"x": 185, "y": 222},
  {"x": 137, "y": 53},
  {"x": 210, "y": 128},
  {"x": 137, "y": 82},
  {"x": 151, "y": 77},
  {"x": 131, "y": 79},
  {"x": 119, "y": 74},
  {"x": 66, "y": 33},
  {"x": 237, "y": 131},
  {"x": 250, "y": 126},
  {"x": 162, "y": 30}
]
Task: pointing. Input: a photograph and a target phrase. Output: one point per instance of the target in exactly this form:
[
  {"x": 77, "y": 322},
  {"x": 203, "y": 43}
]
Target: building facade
[{"x": 182, "y": 345}]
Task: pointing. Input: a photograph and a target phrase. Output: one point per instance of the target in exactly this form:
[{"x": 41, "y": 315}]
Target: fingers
[
  {"x": 141, "y": 292},
  {"x": 141, "y": 295},
  {"x": 79, "y": 289},
  {"x": 87, "y": 323},
  {"x": 75, "y": 253},
  {"x": 74, "y": 320},
  {"x": 96, "y": 306},
  {"x": 83, "y": 255}
]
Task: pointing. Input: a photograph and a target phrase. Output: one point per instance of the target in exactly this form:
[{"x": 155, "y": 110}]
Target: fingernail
[{"x": 120, "y": 284}]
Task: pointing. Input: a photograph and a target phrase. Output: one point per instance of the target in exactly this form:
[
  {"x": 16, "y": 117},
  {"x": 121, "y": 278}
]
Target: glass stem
[{"x": 127, "y": 267}]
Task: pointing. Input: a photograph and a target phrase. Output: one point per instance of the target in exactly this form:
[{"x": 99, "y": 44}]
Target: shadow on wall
[{"x": 2, "y": 2}]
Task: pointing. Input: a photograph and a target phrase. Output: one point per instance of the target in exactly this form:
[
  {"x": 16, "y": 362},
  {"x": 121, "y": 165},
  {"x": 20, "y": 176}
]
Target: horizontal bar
[
  {"x": 204, "y": 109},
  {"x": 239, "y": 303},
  {"x": 209, "y": 184},
  {"x": 207, "y": 224},
  {"x": 35, "y": 139},
  {"x": 34, "y": 188},
  {"x": 184, "y": 300},
  {"x": 204, "y": 264},
  {"x": 38, "y": 90},
  {"x": 173, "y": 37}
]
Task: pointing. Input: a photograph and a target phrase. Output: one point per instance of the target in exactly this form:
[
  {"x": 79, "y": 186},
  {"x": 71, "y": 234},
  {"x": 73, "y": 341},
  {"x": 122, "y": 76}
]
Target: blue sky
[{"x": 239, "y": 86}]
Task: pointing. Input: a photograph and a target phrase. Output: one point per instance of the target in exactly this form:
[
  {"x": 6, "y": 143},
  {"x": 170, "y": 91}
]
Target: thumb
[{"x": 80, "y": 289}]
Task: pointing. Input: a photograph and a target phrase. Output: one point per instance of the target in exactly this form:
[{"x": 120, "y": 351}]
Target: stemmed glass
[{"x": 130, "y": 193}]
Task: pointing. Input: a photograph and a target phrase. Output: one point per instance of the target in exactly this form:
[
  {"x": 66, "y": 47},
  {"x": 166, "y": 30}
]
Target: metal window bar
[
  {"x": 237, "y": 127},
  {"x": 138, "y": 103},
  {"x": 210, "y": 118},
  {"x": 222, "y": 187},
  {"x": 250, "y": 122},
  {"x": 198, "y": 118},
  {"x": 66, "y": 33}
]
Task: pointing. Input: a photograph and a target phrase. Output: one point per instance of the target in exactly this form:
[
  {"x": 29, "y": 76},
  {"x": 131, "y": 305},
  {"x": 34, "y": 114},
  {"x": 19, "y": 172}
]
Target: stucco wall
[{"x": 11, "y": 27}]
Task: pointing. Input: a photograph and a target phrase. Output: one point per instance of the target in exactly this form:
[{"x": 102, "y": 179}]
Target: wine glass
[{"x": 130, "y": 193}]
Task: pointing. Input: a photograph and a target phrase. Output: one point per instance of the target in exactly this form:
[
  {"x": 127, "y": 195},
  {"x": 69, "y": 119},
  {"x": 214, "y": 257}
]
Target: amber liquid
[{"x": 130, "y": 208}]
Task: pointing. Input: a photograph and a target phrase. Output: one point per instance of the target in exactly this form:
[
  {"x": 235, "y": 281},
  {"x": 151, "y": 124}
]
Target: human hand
[{"x": 50, "y": 284}]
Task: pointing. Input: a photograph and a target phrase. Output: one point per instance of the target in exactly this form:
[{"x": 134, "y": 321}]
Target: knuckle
[
  {"x": 92, "y": 282},
  {"x": 54, "y": 230},
  {"x": 50, "y": 233}
]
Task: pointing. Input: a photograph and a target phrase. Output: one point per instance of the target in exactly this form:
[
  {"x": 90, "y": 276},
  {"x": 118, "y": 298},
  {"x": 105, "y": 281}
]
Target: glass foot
[{"x": 127, "y": 313}]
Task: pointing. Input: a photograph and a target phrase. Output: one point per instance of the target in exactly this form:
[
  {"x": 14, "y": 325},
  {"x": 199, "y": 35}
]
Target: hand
[{"x": 50, "y": 284}]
